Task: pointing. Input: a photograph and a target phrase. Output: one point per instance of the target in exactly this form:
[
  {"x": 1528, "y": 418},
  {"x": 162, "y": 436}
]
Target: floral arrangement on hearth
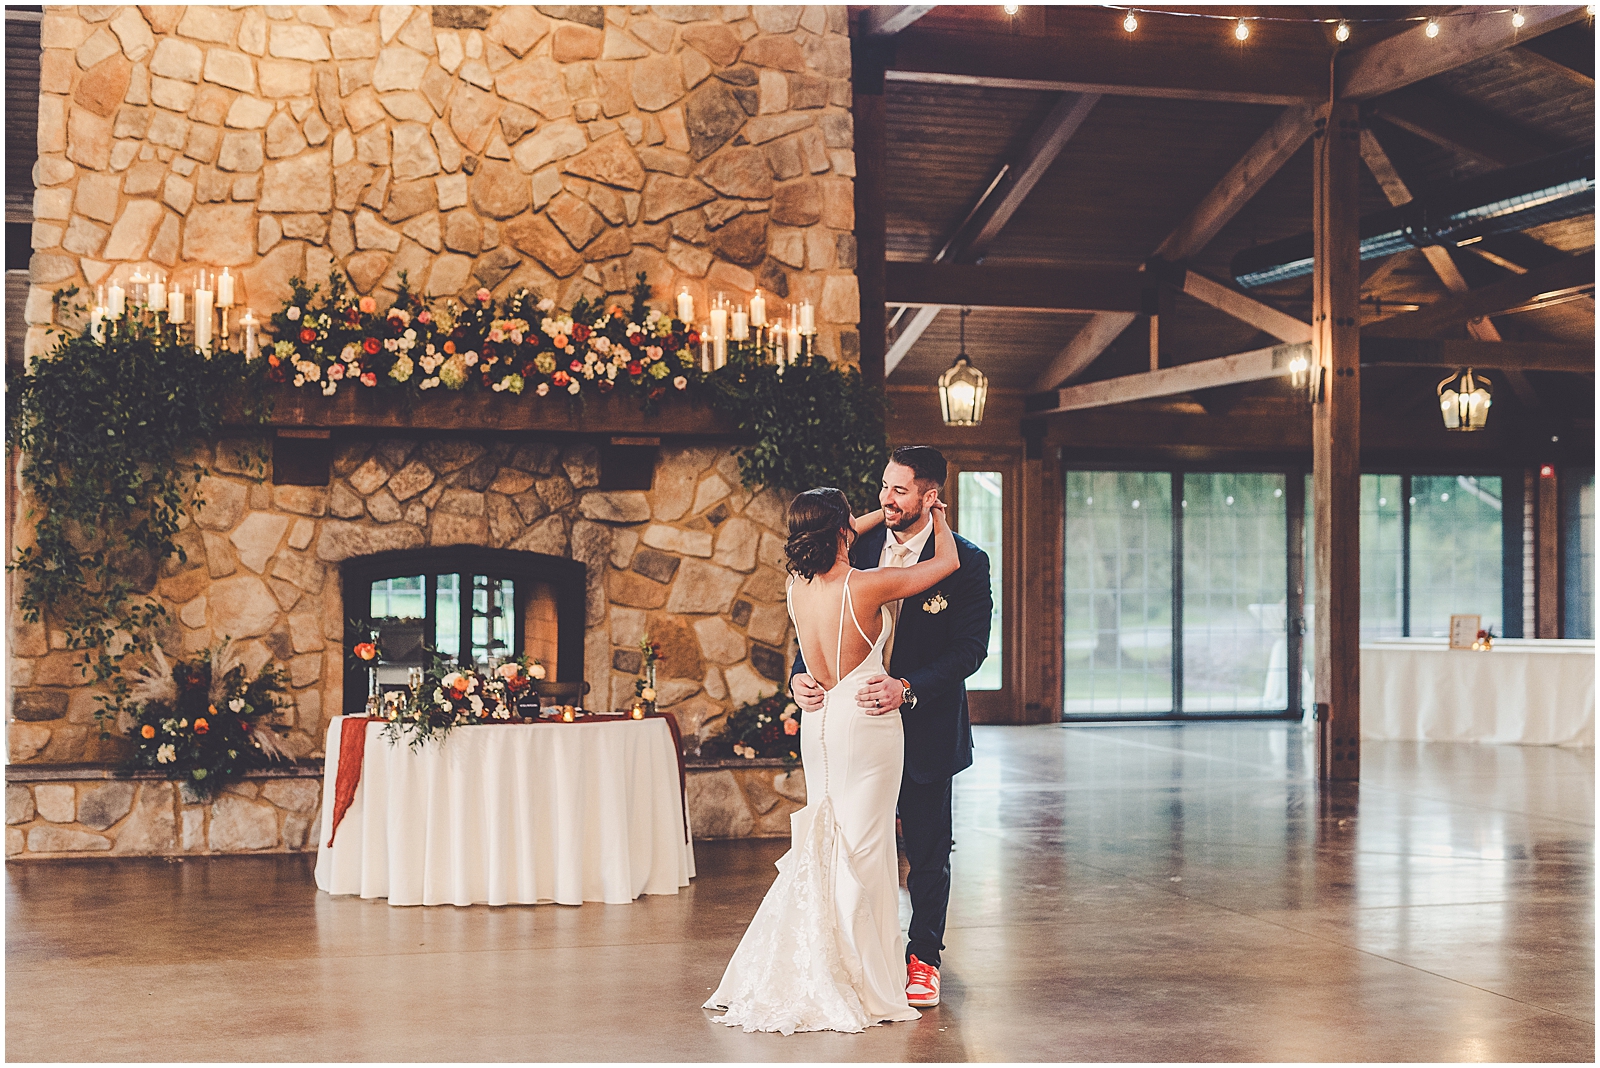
[
  {"x": 766, "y": 729},
  {"x": 329, "y": 339},
  {"x": 206, "y": 720},
  {"x": 451, "y": 697}
]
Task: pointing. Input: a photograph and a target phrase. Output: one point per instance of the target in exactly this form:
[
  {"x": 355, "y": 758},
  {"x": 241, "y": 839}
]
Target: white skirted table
[
  {"x": 510, "y": 814},
  {"x": 1525, "y": 692}
]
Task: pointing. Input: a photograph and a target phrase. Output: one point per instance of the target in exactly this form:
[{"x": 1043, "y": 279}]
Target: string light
[
  {"x": 1517, "y": 20},
  {"x": 1343, "y": 28},
  {"x": 1011, "y": 9},
  {"x": 1432, "y": 29},
  {"x": 1241, "y": 30},
  {"x": 1341, "y": 32},
  {"x": 1130, "y": 23}
]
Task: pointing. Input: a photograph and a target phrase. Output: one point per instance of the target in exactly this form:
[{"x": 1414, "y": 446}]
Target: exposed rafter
[
  {"x": 1506, "y": 356},
  {"x": 1459, "y": 126},
  {"x": 1540, "y": 287},
  {"x": 998, "y": 204},
  {"x": 1413, "y": 56},
  {"x": 888, "y": 20},
  {"x": 1244, "y": 180},
  {"x": 1225, "y": 298},
  {"x": 1253, "y": 366}
]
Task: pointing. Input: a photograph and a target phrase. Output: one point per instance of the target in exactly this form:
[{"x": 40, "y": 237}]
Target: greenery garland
[{"x": 101, "y": 424}]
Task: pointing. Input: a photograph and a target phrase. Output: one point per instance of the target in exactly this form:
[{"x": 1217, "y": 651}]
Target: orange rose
[
  {"x": 147, "y": 731},
  {"x": 366, "y": 651},
  {"x": 450, "y": 347},
  {"x": 201, "y": 726}
]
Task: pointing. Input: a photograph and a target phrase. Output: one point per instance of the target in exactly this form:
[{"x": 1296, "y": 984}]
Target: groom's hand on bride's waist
[
  {"x": 881, "y": 695},
  {"x": 808, "y": 692}
]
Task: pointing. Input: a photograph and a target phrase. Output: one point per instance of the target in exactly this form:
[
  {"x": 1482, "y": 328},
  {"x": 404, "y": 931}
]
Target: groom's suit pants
[{"x": 926, "y": 826}]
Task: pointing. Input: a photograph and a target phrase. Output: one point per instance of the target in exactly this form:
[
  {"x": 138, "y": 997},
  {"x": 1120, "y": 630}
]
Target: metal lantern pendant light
[
  {"x": 1464, "y": 401},
  {"x": 963, "y": 390}
]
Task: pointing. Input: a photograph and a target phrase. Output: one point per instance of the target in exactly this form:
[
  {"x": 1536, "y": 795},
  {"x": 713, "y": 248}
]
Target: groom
[{"x": 940, "y": 638}]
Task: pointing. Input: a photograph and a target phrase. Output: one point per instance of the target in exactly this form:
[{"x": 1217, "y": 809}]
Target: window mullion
[{"x": 1175, "y": 505}]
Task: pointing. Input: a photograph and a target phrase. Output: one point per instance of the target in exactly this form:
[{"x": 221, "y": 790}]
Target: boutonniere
[{"x": 935, "y": 604}]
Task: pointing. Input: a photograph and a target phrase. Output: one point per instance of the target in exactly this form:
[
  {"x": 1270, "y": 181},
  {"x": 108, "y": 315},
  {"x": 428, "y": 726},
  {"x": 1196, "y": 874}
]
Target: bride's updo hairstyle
[{"x": 817, "y": 519}]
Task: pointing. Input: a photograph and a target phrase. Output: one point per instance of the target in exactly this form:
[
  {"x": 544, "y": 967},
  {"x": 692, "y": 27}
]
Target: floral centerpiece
[
  {"x": 206, "y": 720},
  {"x": 769, "y": 728},
  {"x": 329, "y": 338},
  {"x": 451, "y": 697}
]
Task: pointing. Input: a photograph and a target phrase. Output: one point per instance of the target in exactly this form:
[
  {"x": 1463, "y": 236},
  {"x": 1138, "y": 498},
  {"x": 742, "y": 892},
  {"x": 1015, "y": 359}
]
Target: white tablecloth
[
  {"x": 1527, "y": 692},
  {"x": 510, "y": 814}
]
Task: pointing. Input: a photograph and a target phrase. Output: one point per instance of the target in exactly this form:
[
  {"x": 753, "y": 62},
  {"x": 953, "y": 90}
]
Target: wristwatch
[{"x": 908, "y": 699}]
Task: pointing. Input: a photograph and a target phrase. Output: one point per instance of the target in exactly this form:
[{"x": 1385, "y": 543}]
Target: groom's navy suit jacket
[{"x": 936, "y": 652}]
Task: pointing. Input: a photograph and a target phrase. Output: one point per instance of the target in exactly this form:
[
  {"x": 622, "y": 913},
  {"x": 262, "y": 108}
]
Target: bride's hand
[
  {"x": 940, "y": 510},
  {"x": 862, "y": 524}
]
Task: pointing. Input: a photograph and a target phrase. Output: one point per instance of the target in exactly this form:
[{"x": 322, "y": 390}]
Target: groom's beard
[{"x": 902, "y": 521}]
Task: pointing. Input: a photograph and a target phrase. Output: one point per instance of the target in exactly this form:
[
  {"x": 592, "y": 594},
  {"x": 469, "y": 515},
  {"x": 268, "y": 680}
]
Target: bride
[{"x": 824, "y": 952}]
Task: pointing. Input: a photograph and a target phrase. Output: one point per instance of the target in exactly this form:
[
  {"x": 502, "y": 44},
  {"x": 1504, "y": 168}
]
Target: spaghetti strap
[{"x": 852, "y": 601}]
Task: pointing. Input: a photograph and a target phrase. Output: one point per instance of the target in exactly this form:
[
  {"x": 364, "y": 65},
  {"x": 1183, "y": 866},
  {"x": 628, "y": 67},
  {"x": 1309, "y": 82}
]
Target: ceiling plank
[
  {"x": 995, "y": 208},
  {"x": 1517, "y": 293},
  {"x": 1244, "y": 180},
  {"x": 958, "y": 285},
  {"x": 1087, "y": 62},
  {"x": 1412, "y": 56},
  {"x": 1460, "y": 127},
  {"x": 1241, "y": 367},
  {"x": 888, "y": 20}
]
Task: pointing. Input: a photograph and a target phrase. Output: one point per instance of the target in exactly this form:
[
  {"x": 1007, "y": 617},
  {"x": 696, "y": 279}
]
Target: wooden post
[
  {"x": 1336, "y": 439},
  {"x": 871, "y": 193},
  {"x": 1547, "y": 555}
]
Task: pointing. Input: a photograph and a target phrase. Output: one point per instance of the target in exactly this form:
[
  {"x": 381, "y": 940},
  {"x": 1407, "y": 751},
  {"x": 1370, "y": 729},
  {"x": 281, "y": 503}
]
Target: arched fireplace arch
[{"x": 450, "y": 598}]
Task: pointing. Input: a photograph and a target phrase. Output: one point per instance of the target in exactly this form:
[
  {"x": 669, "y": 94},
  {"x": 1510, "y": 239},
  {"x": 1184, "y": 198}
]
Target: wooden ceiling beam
[
  {"x": 1054, "y": 289},
  {"x": 1096, "y": 62},
  {"x": 888, "y": 20},
  {"x": 1460, "y": 127},
  {"x": 1412, "y": 56},
  {"x": 995, "y": 208},
  {"x": 1243, "y": 181},
  {"x": 1253, "y": 366},
  {"x": 1540, "y": 286},
  {"x": 1459, "y": 352},
  {"x": 1225, "y": 298}
]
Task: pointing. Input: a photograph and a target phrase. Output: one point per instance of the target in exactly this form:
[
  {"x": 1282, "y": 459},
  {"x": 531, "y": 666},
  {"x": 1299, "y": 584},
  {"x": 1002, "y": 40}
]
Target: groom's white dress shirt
[{"x": 901, "y": 554}]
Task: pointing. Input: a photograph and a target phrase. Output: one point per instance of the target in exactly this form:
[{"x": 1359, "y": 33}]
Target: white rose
[
  {"x": 237, "y": 704},
  {"x": 648, "y": 693}
]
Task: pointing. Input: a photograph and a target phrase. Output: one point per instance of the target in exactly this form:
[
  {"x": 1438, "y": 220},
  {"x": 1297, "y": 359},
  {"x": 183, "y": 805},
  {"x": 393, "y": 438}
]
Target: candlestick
[
  {"x": 226, "y": 333},
  {"x": 685, "y": 306},
  {"x": 758, "y": 310},
  {"x": 225, "y": 293},
  {"x": 741, "y": 325}
]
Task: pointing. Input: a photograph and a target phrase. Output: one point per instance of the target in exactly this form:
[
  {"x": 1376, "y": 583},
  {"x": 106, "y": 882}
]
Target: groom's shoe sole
[{"x": 928, "y": 1004}]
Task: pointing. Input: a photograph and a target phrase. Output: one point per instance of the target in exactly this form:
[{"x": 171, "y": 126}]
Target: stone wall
[
  {"x": 696, "y": 561},
  {"x": 563, "y": 149},
  {"x": 87, "y": 814}
]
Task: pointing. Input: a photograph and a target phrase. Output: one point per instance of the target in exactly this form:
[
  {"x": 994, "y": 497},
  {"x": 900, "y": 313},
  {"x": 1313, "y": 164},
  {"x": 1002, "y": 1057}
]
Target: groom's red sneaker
[{"x": 922, "y": 983}]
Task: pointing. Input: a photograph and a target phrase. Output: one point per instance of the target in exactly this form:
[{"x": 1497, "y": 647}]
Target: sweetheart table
[
  {"x": 1525, "y": 692},
  {"x": 508, "y": 814}
]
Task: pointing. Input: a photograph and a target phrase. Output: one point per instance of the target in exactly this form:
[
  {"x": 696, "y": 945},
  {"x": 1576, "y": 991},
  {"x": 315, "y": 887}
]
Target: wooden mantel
[{"x": 618, "y": 415}]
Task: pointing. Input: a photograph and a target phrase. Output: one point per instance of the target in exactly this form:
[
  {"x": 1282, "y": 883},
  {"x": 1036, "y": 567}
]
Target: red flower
[
  {"x": 372, "y": 345},
  {"x": 369, "y": 379},
  {"x": 201, "y": 726},
  {"x": 366, "y": 650},
  {"x": 605, "y": 385},
  {"x": 561, "y": 378},
  {"x": 580, "y": 333},
  {"x": 636, "y": 368},
  {"x": 692, "y": 338},
  {"x": 576, "y": 366},
  {"x": 636, "y": 339},
  {"x": 273, "y": 361},
  {"x": 308, "y": 335}
]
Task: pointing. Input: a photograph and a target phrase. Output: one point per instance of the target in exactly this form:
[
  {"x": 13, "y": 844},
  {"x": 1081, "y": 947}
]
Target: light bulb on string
[
  {"x": 1012, "y": 9},
  {"x": 1241, "y": 30},
  {"x": 1517, "y": 19},
  {"x": 1130, "y": 23},
  {"x": 1432, "y": 29},
  {"x": 1341, "y": 32}
]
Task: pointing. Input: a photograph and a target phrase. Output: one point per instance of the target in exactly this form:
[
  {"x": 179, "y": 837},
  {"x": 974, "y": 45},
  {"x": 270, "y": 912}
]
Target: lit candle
[
  {"x": 705, "y": 350},
  {"x": 137, "y": 284},
  {"x": 719, "y": 324},
  {"x": 225, "y": 290},
  {"x": 248, "y": 325},
  {"x": 157, "y": 296},
  {"x": 719, "y": 350},
  {"x": 202, "y": 320},
  {"x": 97, "y": 323},
  {"x": 808, "y": 320},
  {"x": 778, "y": 337},
  {"x": 117, "y": 301},
  {"x": 794, "y": 341},
  {"x": 175, "y": 306},
  {"x": 741, "y": 325},
  {"x": 685, "y": 306},
  {"x": 758, "y": 310}
]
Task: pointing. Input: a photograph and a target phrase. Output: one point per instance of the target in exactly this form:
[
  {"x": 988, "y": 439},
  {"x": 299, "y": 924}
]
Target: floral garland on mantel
[{"x": 331, "y": 339}]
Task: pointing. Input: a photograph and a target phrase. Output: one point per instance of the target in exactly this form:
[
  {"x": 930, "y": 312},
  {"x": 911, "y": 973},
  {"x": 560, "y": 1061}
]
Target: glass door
[{"x": 981, "y": 492}]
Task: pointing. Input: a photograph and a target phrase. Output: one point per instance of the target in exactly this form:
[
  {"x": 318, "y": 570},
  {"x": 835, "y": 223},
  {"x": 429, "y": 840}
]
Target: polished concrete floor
[{"x": 1121, "y": 893}]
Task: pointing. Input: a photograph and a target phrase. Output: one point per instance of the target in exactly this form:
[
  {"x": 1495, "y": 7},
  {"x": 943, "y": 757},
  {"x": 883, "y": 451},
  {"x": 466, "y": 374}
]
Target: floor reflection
[{"x": 1150, "y": 893}]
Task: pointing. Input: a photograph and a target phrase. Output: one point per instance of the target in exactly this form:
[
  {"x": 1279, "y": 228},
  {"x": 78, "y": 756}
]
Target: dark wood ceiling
[{"x": 1139, "y": 164}]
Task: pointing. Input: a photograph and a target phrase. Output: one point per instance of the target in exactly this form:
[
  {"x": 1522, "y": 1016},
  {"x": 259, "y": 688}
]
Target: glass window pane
[
  {"x": 399, "y": 598},
  {"x": 493, "y": 604},
  {"x": 447, "y": 616},
  {"x": 1235, "y": 593},
  {"x": 978, "y": 497},
  {"x": 1577, "y": 564},
  {"x": 1382, "y": 558},
  {"x": 1456, "y": 552},
  {"x": 1118, "y": 593}
]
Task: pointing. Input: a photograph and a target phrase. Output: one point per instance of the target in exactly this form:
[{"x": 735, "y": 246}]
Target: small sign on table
[{"x": 1464, "y": 631}]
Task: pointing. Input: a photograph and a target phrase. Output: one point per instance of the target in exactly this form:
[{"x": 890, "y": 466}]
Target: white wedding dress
[{"x": 824, "y": 952}]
